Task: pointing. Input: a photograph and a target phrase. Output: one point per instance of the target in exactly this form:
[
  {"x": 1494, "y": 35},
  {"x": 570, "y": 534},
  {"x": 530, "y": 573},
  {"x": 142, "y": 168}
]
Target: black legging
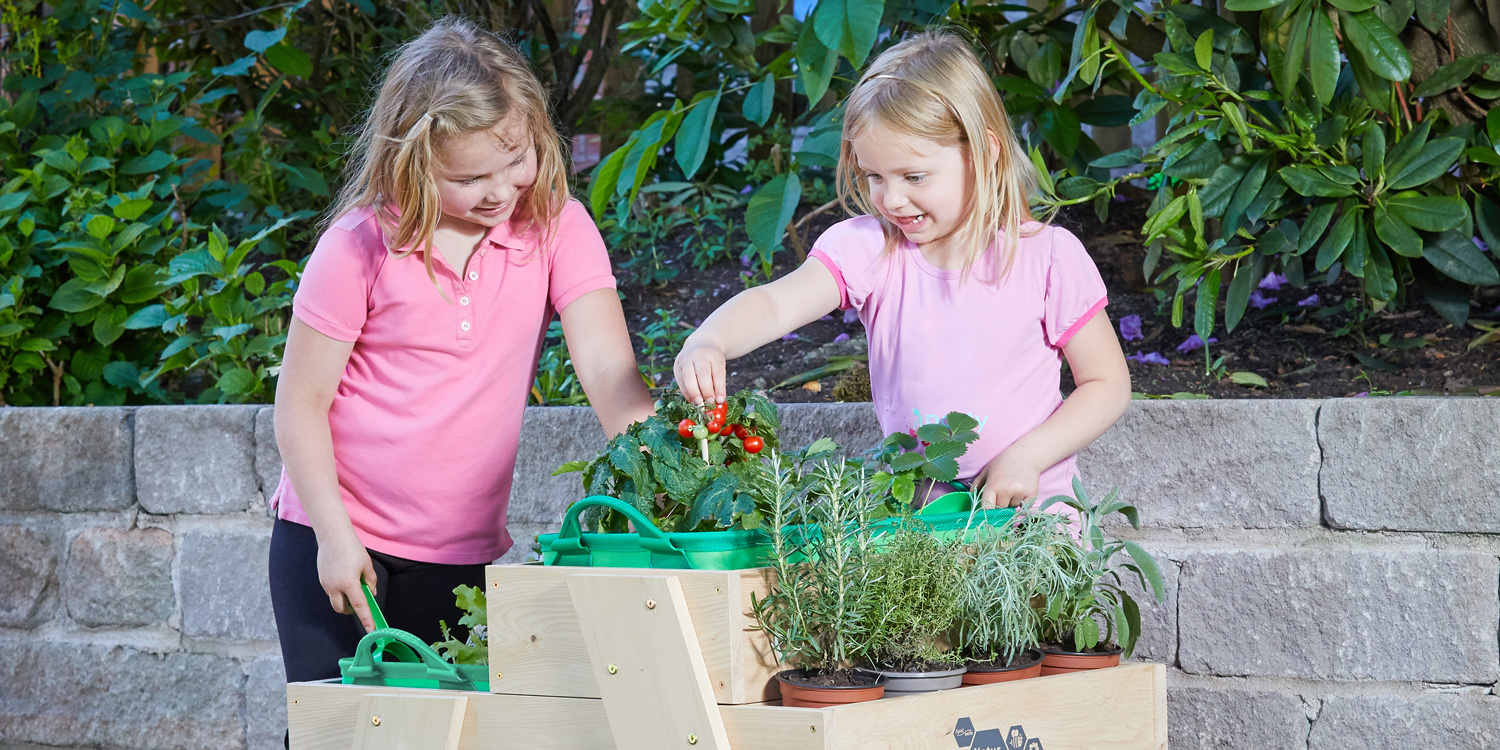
[{"x": 412, "y": 595}]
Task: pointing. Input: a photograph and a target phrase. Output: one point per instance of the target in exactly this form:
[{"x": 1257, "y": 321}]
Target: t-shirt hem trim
[
  {"x": 838, "y": 276},
  {"x": 1067, "y": 335},
  {"x": 323, "y": 325},
  {"x": 582, "y": 288}
]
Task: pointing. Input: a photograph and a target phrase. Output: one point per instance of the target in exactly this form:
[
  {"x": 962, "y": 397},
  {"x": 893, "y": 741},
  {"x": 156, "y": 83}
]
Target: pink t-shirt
[
  {"x": 427, "y": 418},
  {"x": 993, "y": 351}
]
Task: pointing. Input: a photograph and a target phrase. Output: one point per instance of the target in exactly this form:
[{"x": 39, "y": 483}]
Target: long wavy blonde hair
[
  {"x": 932, "y": 86},
  {"x": 453, "y": 79}
]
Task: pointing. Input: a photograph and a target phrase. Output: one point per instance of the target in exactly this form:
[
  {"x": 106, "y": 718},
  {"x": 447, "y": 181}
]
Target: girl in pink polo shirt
[
  {"x": 414, "y": 341},
  {"x": 969, "y": 303}
]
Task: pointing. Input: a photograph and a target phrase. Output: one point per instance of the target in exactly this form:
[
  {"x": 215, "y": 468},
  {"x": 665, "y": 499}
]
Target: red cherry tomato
[
  {"x": 714, "y": 426},
  {"x": 740, "y": 432},
  {"x": 685, "y": 428},
  {"x": 720, "y": 412},
  {"x": 753, "y": 444}
]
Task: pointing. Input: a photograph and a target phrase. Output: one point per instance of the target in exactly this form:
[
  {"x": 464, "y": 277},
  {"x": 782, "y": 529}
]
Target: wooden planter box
[
  {"x": 537, "y": 646},
  {"x": 630, "y": 637}
]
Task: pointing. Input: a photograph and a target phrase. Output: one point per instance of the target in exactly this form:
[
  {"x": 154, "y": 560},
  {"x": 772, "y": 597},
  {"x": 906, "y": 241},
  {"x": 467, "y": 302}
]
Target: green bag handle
[
  {"x": 569, "y": 541},
  {"x": 390, "y": 648},
  {"x": 363, "y": 671}
]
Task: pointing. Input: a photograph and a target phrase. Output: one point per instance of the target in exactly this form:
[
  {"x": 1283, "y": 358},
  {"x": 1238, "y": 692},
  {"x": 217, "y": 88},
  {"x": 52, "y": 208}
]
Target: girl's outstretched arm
[
  {"x": 599, "y": 344},
  {"x": 748, "y": 321},
  {"x": 1101, "y": 396},
  {"x": 311, "y": 369}
]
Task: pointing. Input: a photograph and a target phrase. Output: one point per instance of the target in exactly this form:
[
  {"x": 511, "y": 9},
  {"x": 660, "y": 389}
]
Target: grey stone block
[
  {"x": 853, "y": 426},
  {"x": 1411, "y": 464},
  {"x": 1413, "y": 614},
  {"x": 1233, "y": 719},
  {"x": 265, "y": 704},
  {"x": 117, "y": 577},
  {"x": 195, "y": 459},
  {"x": 66, "y": 459},
  {"x": 550, "y": 437},
  {"x": 524, "y": 536},
  {"x": 28, "y": 585},
  {"x": 267, "y": 455},
  {"x": 1212, "y": 464},
  {"x": 73, "y": 694},
  {"x": 1450, "y": 722},
  {"x": 1158, "y": 641},
  {"x": 223, "y": 585}
]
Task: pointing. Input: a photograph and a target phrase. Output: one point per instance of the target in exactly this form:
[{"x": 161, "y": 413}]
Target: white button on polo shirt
[
  {"x": 473, "y": 276},
  {"x": 464, "y": 325},
  {"x": 463, "y": 300}
]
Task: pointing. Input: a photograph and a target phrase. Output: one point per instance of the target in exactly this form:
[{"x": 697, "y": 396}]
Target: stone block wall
[{"x": 1332, "y": 568}]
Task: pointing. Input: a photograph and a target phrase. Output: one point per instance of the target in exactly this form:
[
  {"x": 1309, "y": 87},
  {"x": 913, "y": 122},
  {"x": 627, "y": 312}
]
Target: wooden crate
[
  {"x": 637, "y": 631},
  {"x": 1063, "y": 712},
  {"x": 537, "y": 646}
]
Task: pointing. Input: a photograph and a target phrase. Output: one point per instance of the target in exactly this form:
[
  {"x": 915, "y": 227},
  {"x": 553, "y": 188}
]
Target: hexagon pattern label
[{"x": 1013, "y": 738}]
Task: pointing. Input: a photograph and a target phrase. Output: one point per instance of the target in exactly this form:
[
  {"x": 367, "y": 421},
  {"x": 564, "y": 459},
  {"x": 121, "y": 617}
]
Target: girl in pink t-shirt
[
  {"x": 414, "y": 341},
  {"x": 969, "y": 304}
]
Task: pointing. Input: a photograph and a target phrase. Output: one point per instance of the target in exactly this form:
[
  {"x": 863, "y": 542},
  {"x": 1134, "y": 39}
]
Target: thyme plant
[{"x": 917, "y": 593}]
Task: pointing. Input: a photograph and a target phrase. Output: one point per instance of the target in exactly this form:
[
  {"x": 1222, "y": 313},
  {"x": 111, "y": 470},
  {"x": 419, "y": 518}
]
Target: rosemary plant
[{"x": 818, "y": 611}]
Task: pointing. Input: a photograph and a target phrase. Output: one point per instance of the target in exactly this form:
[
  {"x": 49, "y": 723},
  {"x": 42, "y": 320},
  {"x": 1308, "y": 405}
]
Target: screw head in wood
[
  {"x": 692, "y": 739},
  {"x": 650, "y": 604},
  {"x": 375, "y": 720},
  {"x": 614, "y": 669},
  {"x": 813, "y": 728}
]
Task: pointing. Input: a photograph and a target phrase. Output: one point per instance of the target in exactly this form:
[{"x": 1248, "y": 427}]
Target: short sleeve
[
  {"x": 852, "y": 250},
  {"x": 333, "y": 295},
  {"x": 579, "y": 262},
  {"x": 1075, "y": 292}
]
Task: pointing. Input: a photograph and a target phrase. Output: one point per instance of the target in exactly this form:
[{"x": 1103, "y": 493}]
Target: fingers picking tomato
[{"x": 754, "y": 444}]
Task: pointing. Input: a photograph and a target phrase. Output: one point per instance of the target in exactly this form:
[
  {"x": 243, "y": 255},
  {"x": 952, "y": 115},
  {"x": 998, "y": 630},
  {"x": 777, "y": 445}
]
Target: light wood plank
[
  {"x": 409, "y": 722},
  {"x": 536, "y": 645},
  {"x": 1121, "y": 708},
  {"x": 646, "y": 661},
  {"x": 322, "y": 716},
  {"x": 756, "y": 727}
]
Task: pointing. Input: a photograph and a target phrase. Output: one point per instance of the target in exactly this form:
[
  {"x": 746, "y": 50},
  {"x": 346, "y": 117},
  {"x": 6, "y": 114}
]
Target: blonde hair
[
  {"x": 932, "y": 86},
  {"x": 452, "y": 80}
]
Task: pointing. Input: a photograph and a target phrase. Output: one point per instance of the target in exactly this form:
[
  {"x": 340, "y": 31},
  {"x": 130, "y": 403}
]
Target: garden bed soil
[{"x": 1303, "y": 347}]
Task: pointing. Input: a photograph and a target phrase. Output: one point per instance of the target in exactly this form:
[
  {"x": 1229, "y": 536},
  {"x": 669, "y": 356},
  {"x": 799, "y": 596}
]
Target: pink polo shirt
[
  {"x": 993, "y": 351},
  {"x": 427, "y": 418}
]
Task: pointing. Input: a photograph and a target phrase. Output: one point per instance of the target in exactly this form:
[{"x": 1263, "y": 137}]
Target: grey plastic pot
[{"x": 910, "y": 683}]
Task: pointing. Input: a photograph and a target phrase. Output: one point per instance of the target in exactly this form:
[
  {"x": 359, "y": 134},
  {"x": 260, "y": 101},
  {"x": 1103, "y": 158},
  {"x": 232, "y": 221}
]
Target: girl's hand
[
  {"x": 700, "y": 373},
  {"x": 342, "y": 563},
  {"x": 1010, "y": 480}
]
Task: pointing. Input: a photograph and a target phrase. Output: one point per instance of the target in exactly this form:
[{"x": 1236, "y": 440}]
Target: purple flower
[
  {"x": 1193, "y": 342},
  {"x": 747, "y": 190},
  {"x": 1130, "y": 328},
  {"x": 826, "y": 317},
  {"x": 1154, "y": 358},
  {"x": 1272, "y": 281},
  {"x": 1362, "y": 394},
  {"x": 1483, "y": 246},
  {"x": 851, "y": 316},
  {"x": 1260, "y": 301},
  {"x": 745, "y": 260},
  {"x": 841, "y": 338},
  {"x": 1311, "y": 301},
  {"x": 790, "y": 337}
]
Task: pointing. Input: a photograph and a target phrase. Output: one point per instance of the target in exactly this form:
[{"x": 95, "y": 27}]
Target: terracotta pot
[
  {"x": 799, "y": 694},
  {"x": 1057, "y": 661},
  {"x": 1028, "y": 665},
  {"x": 910, "y": 683}
]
